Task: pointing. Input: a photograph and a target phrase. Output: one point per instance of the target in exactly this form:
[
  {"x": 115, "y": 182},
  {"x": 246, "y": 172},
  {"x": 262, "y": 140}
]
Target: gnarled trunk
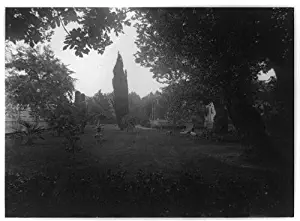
[
  {"x": 285, "y": 95},
  {"x": 246, "y": 118},
  {"x": 282, "y": 126}
]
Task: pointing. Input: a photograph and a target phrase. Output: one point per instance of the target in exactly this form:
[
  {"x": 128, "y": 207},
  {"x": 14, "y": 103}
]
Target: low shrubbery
[
  {"x": 145, "y": 123},
  {"x": 29, "y": 132},
  {"x": 188, "y": 195}
]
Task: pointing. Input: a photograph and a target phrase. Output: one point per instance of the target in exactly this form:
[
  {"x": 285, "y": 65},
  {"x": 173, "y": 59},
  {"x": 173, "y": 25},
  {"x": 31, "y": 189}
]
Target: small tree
[
  {"x": 31, "y": 132},
  {"x": 99, "y": 108},
  {"x": 39, "y": 82}
]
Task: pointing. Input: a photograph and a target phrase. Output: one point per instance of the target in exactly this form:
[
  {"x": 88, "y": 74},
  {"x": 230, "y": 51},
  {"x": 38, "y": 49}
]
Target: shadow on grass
[
  {"x": 45, "y": 181},
  {"x": 111, "y": 194}
]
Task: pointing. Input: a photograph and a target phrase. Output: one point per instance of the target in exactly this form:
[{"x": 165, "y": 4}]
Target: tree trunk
[
  {"x": 246, "y": 118},
  {"x": 252, "y": 131},
  {"x": 282, "y": 129},
  {"x": 285, "y": 95}
]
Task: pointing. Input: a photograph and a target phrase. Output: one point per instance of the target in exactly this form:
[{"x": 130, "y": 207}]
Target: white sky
[
  {"x": 264, "y": 77},
  {"x": 94, "y": 71}
]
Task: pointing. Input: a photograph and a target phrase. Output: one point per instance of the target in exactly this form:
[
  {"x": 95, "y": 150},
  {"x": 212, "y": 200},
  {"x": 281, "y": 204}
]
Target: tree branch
[{"x": 63, "y": 25}]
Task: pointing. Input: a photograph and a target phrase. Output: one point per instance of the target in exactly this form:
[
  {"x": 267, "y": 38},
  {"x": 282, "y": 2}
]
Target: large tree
[
  {"x": 37, "y": 80},
  {"x": 120, "y": 86},
  {"x": 220, "y": 52}
]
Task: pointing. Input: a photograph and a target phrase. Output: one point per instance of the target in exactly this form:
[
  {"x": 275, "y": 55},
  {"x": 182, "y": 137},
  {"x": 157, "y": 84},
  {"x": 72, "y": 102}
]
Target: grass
[{"x": 141, "y": 174}]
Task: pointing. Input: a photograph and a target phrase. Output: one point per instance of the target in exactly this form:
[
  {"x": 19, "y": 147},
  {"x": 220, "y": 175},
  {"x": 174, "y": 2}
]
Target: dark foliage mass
[
  {"x": 100, "y": 109},
  {"x": 217, "y": 53},
  {"x": 120, "y": 86}
]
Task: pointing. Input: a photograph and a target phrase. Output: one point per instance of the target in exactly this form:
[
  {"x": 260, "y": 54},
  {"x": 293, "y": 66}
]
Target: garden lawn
[{"x": 140, "y": 174}]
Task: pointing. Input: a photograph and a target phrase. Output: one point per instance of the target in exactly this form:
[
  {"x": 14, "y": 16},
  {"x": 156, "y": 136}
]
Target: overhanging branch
[{"x": 63, "y": 25}]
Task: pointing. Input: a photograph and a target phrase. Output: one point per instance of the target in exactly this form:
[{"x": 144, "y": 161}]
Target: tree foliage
[
  {"x": 31, "y": 132},
  {"x": 219, "y": 52},
  {"x": 38, "y": 80},
  {"x": 99, "y": 108},
  {"x": 180, "y": 105},
  {"x": 135, "y": 106},
  {"x": 194, "y": 44},
  {"x": 35, "y": 25}
]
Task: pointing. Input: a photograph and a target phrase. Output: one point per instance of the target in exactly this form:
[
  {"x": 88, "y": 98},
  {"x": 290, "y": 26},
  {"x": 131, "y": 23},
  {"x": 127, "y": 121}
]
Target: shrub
[
  {"x": 146, "y": 123},
  {"x": 128, "y": 121},
  {"x": 72, "y": 138},
  {"x": 32, "y": 132}
]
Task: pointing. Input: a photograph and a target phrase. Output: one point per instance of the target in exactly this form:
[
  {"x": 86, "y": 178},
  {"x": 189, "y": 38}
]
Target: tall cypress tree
[{"x": 120, "y": 86}]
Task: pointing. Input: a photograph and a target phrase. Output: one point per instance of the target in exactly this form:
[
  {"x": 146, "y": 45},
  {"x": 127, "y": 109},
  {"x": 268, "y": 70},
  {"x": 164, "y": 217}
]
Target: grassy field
[{"x": 141, "y": 174}]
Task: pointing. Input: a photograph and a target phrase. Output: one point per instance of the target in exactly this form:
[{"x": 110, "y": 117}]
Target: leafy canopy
[
  {"x": 38, "y": 80},
  {"x": 35, "y": 25}
]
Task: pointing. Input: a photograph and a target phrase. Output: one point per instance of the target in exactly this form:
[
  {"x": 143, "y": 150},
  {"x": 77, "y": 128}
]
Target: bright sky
[
  {"x": 264, "y": 77},
  {"x": 95, "y": 71}
]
